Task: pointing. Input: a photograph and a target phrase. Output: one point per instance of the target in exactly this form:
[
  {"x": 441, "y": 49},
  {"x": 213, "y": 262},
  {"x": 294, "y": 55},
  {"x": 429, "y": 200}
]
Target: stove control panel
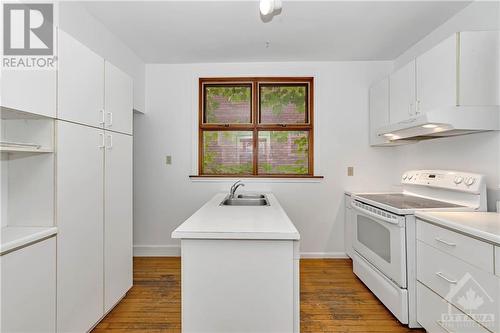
[{"x": 452, "y": 180}]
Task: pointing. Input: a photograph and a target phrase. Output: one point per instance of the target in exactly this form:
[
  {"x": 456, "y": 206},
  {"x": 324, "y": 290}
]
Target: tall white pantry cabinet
[{"x": 94, "y": 186}]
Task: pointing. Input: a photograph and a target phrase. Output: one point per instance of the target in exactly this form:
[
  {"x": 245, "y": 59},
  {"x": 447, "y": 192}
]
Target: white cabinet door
[
  {"x": 379, "y": 109},
  {"x": 118, "y": 100},
  {"x": 80, "y": 83},
  {"x": 437, "y": 76},
  {"x": 402, "y": 94},
  {"x": 30, "y": 91},
  {"x": 28, "y": 289},
  {"x": 80, "y": 161},
  {"x": 479, "y": 67},
  {"x": 118, "y": 218}
]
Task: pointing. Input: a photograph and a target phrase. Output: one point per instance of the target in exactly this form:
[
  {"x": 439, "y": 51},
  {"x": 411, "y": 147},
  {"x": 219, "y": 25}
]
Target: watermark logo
[
  {"x": 28, "y": 36},
  {"x": 478, "y": 306}
]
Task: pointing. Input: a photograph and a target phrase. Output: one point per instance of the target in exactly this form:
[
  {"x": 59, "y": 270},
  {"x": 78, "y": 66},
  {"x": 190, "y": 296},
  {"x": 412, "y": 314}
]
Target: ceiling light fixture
[
  {"x": 269, "y": 6},
  {"x": 430, "y": 126}
]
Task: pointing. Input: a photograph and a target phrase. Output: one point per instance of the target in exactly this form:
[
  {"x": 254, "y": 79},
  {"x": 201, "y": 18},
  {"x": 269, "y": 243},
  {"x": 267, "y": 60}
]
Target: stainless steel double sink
[{"x": 246, "y": 200}]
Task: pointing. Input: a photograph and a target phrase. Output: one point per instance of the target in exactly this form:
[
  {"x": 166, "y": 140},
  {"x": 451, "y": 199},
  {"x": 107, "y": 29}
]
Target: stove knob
[
  {"x": 405, "y": 176},
  {"x": 458, "y": 180},
  {"x": 470, "y": 181},
  {"x": 410, "y": 177}
]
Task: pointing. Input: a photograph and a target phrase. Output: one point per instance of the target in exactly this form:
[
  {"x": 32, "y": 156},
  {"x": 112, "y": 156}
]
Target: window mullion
[{"x": 255, "y": 117}]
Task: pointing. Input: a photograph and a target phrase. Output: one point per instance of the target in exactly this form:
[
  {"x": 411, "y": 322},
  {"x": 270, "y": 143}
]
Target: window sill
[{"x": 258, "y": 179}]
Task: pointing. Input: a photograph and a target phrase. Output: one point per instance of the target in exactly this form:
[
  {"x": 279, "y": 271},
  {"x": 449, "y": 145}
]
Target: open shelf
[
  {"x": 9, "y": 113},
  {"x": 11, "y": 147},
  {"x": 24, "y": 150},
  {"x": 13, "y": 237}
]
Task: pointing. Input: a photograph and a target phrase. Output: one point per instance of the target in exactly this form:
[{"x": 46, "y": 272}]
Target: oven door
[{"x": 379, "y": 237}]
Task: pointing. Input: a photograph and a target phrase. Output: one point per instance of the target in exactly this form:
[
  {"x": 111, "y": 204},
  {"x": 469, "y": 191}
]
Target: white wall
[
  {"x": 165, "y": 196},
  {"x": 477, "y": 152},
  {"x": 78, "y": 22}
]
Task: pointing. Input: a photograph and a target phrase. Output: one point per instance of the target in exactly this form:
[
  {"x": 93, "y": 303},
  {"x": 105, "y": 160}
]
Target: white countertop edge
[
  {"x": 486, "y": 236},
  {"x": 236, "y": 235},
  {"x": 32, "y": 235}
]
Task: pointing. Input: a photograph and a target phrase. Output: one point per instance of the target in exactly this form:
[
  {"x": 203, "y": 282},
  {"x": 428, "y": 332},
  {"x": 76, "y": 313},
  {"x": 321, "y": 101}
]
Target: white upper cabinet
[
  {"x": 80, "y": 83},
  {"x": 437, "y": 76},
  {"x": 462, "y": 70},
  {"x": 402, "y": 94},
  {"x": 479, "y": 68},
  {"x": 118, "y": 100},
  {"x": 379, "y": 109},
  {"x": 31, "y": 91}
]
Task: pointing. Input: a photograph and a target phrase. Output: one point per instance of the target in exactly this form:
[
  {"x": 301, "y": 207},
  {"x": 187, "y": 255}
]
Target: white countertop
[
  {"x": 13, "y": 237},
  {"x": 213, "y": 221},
  {"x": 482, "y": 225}
]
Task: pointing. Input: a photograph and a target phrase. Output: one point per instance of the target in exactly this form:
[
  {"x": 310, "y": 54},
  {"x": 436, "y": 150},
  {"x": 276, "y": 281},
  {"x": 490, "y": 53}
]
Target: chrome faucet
[{"x": 234, "y": 187}]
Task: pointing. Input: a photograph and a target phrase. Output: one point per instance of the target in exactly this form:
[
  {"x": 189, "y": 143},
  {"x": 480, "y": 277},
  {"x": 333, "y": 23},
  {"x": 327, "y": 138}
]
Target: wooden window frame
[{"x": 256, "y": 126}]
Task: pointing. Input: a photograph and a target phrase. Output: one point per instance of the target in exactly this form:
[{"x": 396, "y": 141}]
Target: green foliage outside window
[{"x": 278, "y": 97}]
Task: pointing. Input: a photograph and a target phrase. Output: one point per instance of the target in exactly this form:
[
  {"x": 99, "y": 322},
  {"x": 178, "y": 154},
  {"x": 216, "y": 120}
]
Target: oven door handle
[{"x": 371, "y": 214}]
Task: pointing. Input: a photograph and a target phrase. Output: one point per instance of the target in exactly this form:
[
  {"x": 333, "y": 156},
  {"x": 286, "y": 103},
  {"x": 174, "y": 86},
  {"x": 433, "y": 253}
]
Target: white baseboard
[
  {"x": 175, "y": 251},
  {"x": 157, "y": 251},
  {"x": 321, "y": 255}
]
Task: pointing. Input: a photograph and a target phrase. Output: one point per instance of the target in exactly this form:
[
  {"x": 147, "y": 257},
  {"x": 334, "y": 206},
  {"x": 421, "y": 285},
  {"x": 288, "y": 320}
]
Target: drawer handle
[
  {"x": 445, "y": 242},
  {"x": 443, "y": 326},
  {"x": 441, "y": 275}
]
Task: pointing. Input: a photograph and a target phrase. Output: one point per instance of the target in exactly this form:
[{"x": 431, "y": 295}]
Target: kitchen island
[{"x": 240, "y": 269}]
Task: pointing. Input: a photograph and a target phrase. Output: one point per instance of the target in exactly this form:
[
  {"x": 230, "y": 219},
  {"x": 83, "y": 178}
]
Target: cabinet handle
[
  {"x": 110, "y": 137},
  {"x": 440, "y": 323},
  {"x": 102, "y": 122},
  {"x": 102, "y": 145},
  {"x": 442, "y": 276},
  {"x": 445, "y": 242},
  {"x": 417, "y": 107},
  {"x": 110, "y": 118}
]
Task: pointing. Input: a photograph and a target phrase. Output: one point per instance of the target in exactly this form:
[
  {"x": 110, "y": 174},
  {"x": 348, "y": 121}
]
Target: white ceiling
[{"x": 233, "y": 31}]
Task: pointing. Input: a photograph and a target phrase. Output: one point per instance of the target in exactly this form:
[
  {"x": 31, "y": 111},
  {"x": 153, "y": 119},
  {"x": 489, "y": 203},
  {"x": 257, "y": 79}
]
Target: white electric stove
[{"x": 384, "y": 231}]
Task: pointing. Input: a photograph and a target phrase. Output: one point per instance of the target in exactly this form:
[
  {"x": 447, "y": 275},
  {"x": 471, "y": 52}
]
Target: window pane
[
  {"x": 283, "y": 104},
  {"x": 228, "y": 104},
  {"x": 284, "y": 152},
  {"x": 227, "y": 152}
]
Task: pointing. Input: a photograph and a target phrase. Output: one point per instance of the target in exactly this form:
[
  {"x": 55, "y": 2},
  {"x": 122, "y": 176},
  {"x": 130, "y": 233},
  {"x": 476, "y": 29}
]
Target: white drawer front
[
  {"x": 497, "y": 260},
  {"x": 470, "y": 289},
  {"x": 471, "y": 250},
  {"x": 437, "y": 315}
]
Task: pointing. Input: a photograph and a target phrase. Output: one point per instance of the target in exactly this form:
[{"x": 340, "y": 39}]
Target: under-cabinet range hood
[{"x": 443, "y": 122}]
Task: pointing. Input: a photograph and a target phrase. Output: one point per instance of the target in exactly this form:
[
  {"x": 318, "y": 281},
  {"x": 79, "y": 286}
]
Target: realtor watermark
[
  {"x": 477, "y": 307},
  {"x": 28, "y": 36}
]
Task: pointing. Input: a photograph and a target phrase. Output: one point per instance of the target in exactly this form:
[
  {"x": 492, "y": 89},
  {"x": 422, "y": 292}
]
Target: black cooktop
[{"x": 404, "y": 201}]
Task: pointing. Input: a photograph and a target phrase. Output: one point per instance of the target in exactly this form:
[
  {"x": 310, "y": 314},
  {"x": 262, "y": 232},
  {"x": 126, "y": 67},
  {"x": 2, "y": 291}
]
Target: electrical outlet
[
  {"x": 350, "y": 171},
  {"x": 168, "y": 159}
]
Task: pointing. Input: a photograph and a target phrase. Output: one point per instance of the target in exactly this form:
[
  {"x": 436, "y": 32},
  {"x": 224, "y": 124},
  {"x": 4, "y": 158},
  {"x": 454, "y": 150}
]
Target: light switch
[
  {"x": 168, "y": 159},
  {"x": 350, "y": 171}
]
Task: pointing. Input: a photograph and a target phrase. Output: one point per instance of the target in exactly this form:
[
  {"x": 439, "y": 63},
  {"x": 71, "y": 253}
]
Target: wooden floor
[{"x": 332, "y": 300}]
